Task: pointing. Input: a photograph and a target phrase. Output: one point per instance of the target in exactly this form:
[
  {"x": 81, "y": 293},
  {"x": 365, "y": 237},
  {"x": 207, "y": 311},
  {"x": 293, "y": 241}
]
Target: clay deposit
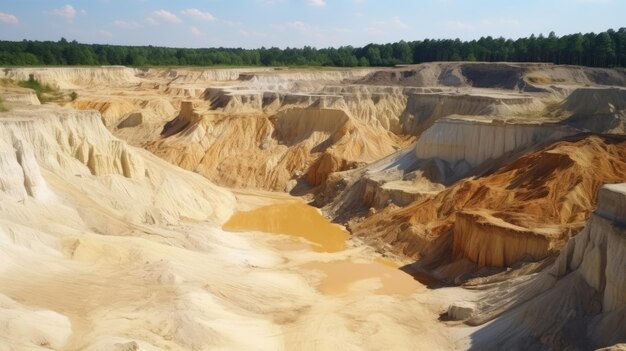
[{"x": 174, "y": 208}]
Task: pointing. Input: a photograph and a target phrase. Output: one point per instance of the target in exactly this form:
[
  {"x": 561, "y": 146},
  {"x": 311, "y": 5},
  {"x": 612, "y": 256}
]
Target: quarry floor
[
  {"x": 276, "y": 276},
  {"x": 358, "y": 291}
]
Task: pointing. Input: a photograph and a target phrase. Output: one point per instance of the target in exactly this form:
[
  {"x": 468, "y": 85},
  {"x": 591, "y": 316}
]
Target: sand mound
[
  {"x": 601, "y": 110},
  {"x": 546, "y": 195}
]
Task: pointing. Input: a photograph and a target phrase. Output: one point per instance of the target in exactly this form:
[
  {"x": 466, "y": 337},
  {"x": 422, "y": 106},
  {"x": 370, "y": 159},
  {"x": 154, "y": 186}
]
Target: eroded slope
[
  {"x": 578, "y": 303},
  {"x": 525, "y": 210}
]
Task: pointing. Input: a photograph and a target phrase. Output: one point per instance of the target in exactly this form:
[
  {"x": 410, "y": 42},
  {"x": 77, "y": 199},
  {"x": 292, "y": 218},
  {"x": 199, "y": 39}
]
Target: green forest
[{"x": 606, "y": 49}]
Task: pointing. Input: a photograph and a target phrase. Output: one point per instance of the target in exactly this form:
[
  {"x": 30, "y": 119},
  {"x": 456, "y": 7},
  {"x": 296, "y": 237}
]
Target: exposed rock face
[
  {"x": 99, "y": 159},
  {"x": 267, "y": 152},
  {"x": 461, "y": 310},
  {"x": 376, "y": 105},
  {"x": 423, "y": 109},
  {"x": 319, "y": 171},
  {"x": 465, "y": 143},
  {"x": 490, "y": 241},
  {"x": 76, "y": 145},
  {"x": 114, "y": 111},
  {"x": 337, "y": 75},
  {"x": 19, "y": 96},
  {"x": 526, "y": 209},
  {"x": 181, "y": 76},
  {"x": 605, "y": 245},
  {"x": 578, "y": 301}
]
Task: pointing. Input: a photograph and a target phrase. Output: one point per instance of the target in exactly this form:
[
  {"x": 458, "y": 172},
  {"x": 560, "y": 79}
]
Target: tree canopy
[{"x": 606, "y": 49}]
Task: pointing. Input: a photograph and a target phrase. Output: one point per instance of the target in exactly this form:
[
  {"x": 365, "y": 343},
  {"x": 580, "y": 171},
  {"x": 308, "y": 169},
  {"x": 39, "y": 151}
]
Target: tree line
[{"x": 605, "y": 49}]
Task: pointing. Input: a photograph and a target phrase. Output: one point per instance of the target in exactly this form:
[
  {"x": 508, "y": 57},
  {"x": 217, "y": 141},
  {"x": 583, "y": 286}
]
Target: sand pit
[
  {"x": 86, "y": 266},
  {"x": 140, "y": 215}
]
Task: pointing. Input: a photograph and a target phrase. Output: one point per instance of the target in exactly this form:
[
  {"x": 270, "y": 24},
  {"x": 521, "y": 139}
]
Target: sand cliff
[{"x": 577, "y": 302}]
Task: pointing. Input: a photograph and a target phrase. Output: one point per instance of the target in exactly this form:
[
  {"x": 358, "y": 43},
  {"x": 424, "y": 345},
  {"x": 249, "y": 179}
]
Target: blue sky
[{"x": 282, "y": 23}]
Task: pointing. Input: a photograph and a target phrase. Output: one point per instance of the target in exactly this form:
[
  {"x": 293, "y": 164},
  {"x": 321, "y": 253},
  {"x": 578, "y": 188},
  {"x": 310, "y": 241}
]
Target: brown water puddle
[
  {"x": 295, "y": 219},
  {"x": 342, "y": 277},
  {"x": 299, "y": 220}
]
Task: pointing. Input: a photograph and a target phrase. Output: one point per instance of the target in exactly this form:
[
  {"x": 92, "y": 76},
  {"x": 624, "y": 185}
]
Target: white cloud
[
  {"x": 381, "y": 27},
  {"x": 460, "y": 25},
  {"x": 67, "y": 11},
  {"x": 278, "y": 27},
  {"x": 195, "y": 31},
  {"x": 106, "y": 33},
  {"x": 249, "y": 34},
  {"x": 500, "y": 22},
  {"x": 298, "y": 25},
  {"x": 308, "y": 29},
  {"x": 232, "y": 23},
  {"x": 270, "y": 2},
  {"x": 166, "y": 16},
  {"x": 317, "y": 3},
  {"x": 397, "y": 23},
  {"x": 8, "y": 18},
  {"x": 126, "y": 25},
  {"x": 151, "y": 21},
  {"x": 303, "y": 28},
  {"x": 483, "y": 24},
  {"x": 204, "y": 16}
]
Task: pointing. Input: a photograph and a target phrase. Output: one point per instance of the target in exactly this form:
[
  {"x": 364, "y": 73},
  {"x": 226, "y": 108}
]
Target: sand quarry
[{"x": 441, "y": 206}]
